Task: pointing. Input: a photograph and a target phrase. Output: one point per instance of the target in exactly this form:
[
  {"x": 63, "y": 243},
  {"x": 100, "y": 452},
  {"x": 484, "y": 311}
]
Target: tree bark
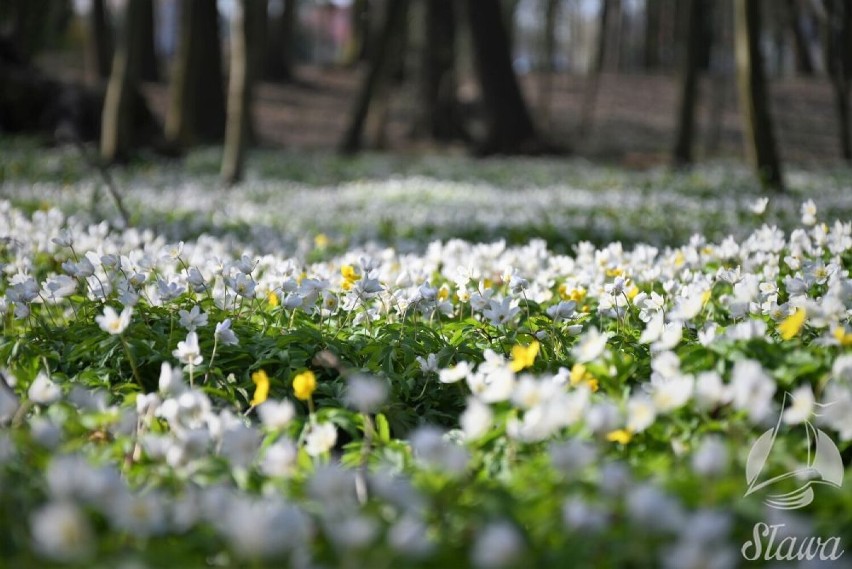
[
  {"x": 98, "y": 43},
  {"x": 839, "y": 22},
  {"x": 196, "y": 100},
  {"x": 545, "y": 90},
  {"x": 804, "y": 58},
  {"x": 239, "y": 92},
  {"x": 651, "y": 54},
  {"x": 147, "y": 49},
  {"x": 754, "y": 100},
  {"x": 378, "y": 74},
  {"x": 510, "y": 128},
  {"x": 590, "y": 93},
  {"x": 280, "y": 42},
  {"x": 117, "y": 136},
  {"x": 682, "y": 154},
  {"x": 357, "y": 48}
]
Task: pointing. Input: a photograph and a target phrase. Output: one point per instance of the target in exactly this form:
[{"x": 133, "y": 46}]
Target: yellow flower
[
  {"x": 843, "y": 337},
  {"x": 304, "y": 385},
  {"x": 792, "y": 325},
  {"x": 349, "y": 276},
  {"x": 444, "y": 292},
  {"x": 632, "y": 292},
  {"x": 272, "y": 299},
  {"x": 620, "y": 436},
  {"x": 321, "y": 241},
  {"x": 524, "y": 356},
  {"x": 579, "y": 374},
  {"x": 705, "y": 296},
  {"x": 614, "y": 272},
  {"x": 261, "y": 392}
]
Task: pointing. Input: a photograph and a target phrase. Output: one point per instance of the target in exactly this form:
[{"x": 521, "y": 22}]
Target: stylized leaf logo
[{"x": 758, "y": 455}]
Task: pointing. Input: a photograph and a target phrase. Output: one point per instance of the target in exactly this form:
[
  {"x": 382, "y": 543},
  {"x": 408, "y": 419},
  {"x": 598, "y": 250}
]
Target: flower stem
[{"x": 132, "y": 360}]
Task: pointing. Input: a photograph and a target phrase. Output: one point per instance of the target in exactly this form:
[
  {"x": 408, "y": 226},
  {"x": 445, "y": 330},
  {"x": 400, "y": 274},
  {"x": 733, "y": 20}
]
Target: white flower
[
  {"x": 564, "y": 310},
  {"x": 456, "y": 373},
  {"x": 280, "y": 458},
  {"x": 43, "y": 390},
  {"x": 429, "y": 364},
  {"x": 711, "y": 458},
  {"x": 758, "y": 206},
  {"x": 590, "y": 346},
  {"x": 670, "y": 338},
  {"x": 809, "y": 211},
  {"x": 476, "y": 419},
  {"x": 224, "y": 333},
  {"x": 710, "y": 391},
  {"x": 752, "y": 389},
  {"x": 673, "y": 393},
  {"x": 802, "y": 406},
  {"x": 61, "y": 531},
  {"x": 365, "y": 393},
  {"x": 171, "y": 380},
  {"x": 654, "y": 329},
  {"x": 188, "y": 351},
  {"x": 640, "y": 413},
  {"x": 112, "y": 322},
  {"x": 276, "y": 414},
  {"x": 193, "y": 319},
  {"x": 502, "y": 312},
  {"x": 320, "y": 438},
  {"x": 497, "y": 545}
]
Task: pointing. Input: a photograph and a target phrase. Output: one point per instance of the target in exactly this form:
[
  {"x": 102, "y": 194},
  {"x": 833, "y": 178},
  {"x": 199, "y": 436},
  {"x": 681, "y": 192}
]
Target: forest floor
[{"x": 634, "y": 118}]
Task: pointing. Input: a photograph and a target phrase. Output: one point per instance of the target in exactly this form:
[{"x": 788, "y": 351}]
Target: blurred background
[{"x": 638, "y": 83}]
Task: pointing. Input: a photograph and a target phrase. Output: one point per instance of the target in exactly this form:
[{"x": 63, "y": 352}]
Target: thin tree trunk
[
  {"x": 98, "y": 43},
  {"x": 804, "y": 58},
  {"x": 682, "y": 154},
  {"x": 147, "y": 49},
  {"x": 279, "y": 53},
  {"x": 510, "y": 127},
  {"x": 720, "y": 58},
  {"x": 754, "y": 100},
  {"x": 590, "y": 93},
  {"x": 545, "y": 89},
  {"x": 239, "y": 94},
  {"x": 197, "y": 70},
  {"x": 651, "y": 53},
  {"x": 117, "y": 137},
  {"x": 839, "y": 14},
  {"x": 377, "y": 75},
  {"x": 357, "y": 47}
]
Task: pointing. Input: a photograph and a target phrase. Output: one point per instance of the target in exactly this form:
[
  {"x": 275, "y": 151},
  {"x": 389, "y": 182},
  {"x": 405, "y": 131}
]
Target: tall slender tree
[
  {"x": 280, "y": 42},
  {"x": 238, "y": 128},
  {"x": 147, "y": 49},
  {"x": 804, "y": 59},
  {"x": 117, "y": 136},
  {"x": 98, "y": 42},
  {"x": 754, "y": 97},
  {"x": 510, "y": 128},
  {"x": 695, "y": 14},
  {"x": 839, "y": 64},
  {"x": 590, "y": 93},
  {"x": 196, "y": 108}
]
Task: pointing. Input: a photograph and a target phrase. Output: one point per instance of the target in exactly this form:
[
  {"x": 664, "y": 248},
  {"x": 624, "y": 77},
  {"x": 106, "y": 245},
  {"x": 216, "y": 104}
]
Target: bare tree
[
  {"x": 839, "y": 28},
  {"x": 682, "y": 152},
  {"x": 238, "y": 127},
  {"x": 754, "y": 99},
  {"x": 98, "y": 42},
  {"x": 510, "y": 128},
  {"x": 147, "y": 49},
  {"x": 196, "y": 108},
  {"x": 117, "y": 122},
  {"x": 590, "y": 93}
]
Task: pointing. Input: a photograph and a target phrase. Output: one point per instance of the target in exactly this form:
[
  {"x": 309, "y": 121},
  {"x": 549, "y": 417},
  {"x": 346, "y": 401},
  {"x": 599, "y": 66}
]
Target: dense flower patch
[{"x": 483, "y": 404}]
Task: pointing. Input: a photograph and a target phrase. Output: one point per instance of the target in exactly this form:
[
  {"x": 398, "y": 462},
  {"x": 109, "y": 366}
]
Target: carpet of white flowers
[{"x": 274, "y": 398}]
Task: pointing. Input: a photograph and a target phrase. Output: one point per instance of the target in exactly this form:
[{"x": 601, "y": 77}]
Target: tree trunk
[
  {"x": 510, "y": 127},
  {"x": 378, "y": 75},
  {"x": 754, "y": 99},
  {"x": 839, "y": 22},
  {"x": 197, "y": 70},
  {"x": 280, "y": 36},
  {"x": 695, "y": 14},
  {"x": 147, "y": 49},
  {"x": 590, "y": 93},
  {"x": 117, "y": 137},
  {"x": 98, "y": 43},
  {"x": 651, "y": 53},
  {"x": 239, "y": 92},
  {"x": 545, "y": 89},
  {"x": 804, "y": 58},
  {"x": 356, "y": 49}
]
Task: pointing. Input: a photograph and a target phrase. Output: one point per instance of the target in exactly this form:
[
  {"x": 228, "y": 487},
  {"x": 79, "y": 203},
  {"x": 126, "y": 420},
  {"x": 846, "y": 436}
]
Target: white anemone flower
[{"x": 112, "y": 322}]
